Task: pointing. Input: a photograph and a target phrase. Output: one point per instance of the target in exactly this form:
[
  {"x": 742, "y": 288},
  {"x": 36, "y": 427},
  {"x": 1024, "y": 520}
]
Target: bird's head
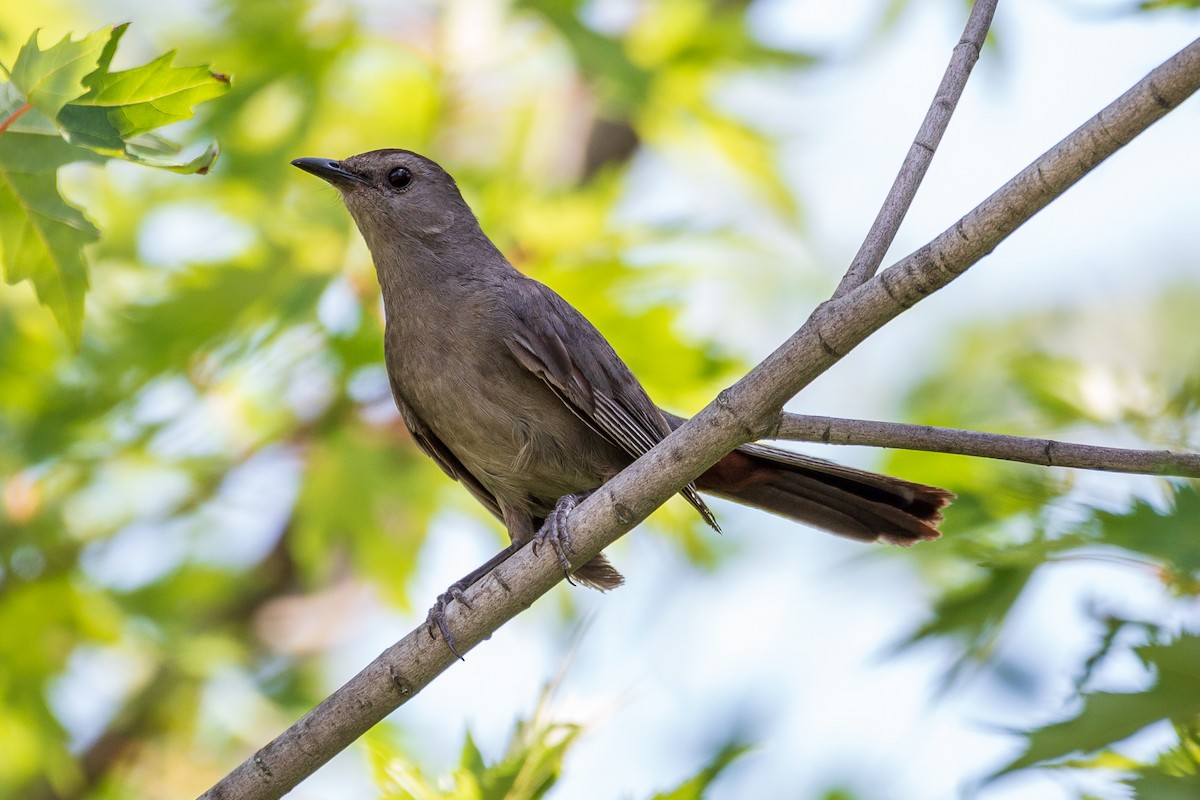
[{"x": 396, "y": 194}]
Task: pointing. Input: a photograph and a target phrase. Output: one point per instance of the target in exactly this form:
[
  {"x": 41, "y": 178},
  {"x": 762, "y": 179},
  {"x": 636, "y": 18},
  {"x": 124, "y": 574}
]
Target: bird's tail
[
  {"x": 599, "y": 573},
  {"x": 854, "y": 503},
  {"x": 860, "y": 505}
]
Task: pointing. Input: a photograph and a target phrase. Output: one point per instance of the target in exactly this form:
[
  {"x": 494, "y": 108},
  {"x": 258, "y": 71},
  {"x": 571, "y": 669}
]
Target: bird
[{"x": 519, "y": 398}]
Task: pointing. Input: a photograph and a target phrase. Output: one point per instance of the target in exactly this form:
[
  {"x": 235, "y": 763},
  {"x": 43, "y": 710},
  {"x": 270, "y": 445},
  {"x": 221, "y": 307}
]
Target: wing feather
[{"x": 558, "y": 344}]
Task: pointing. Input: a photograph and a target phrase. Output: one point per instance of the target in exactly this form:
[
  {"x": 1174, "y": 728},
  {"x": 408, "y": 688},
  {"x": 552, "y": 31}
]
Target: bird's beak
[{"x": 329, "y": 170}]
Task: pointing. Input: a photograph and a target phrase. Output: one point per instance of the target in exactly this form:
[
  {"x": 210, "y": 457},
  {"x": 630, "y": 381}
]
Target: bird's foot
[
  {"x": 436, "y": 621},
  {"x": 556, "y": 532},
  {"x": 437, "y": 614}
]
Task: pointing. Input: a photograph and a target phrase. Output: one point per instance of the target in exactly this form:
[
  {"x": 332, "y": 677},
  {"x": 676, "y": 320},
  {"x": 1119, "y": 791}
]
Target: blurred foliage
[
  {"x": 65, "y": 104},
  {"x": 1107, "y": 717},
  {"x": 187, "y": 501},
  {"x": 1060, "y": 374},
  {"x": 696, "y": 787},
  {"x": 530, "y": 765},
  {"x": 1153, "y": 5}
]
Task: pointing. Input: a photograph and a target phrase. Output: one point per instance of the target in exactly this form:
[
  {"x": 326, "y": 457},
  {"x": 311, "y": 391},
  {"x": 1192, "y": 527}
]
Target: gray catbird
[{"x": 515, "y": 394}]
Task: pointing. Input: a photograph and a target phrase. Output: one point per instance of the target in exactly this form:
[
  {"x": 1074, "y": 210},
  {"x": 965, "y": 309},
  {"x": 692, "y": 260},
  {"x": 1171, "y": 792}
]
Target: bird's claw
[
  {"x": 437, "y": 615},
  {"x": 557, "y": 533}
]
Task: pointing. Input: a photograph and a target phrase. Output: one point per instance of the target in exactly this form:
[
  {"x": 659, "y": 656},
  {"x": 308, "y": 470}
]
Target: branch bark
[
  {"x": 1044, "y": 452},
  {"x": 747, "y": 411},
  {"x": 920, "y": 153}
]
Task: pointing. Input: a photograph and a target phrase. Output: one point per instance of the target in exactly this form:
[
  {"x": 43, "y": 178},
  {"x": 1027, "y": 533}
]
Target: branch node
[
  {"x": 958, "y": 228},
  {"x": 1158, "y": 97},
  {"x": 500, "y": 580},
  {"x": 772, "y": 427},
  {"x": 726, "y": 403},
  {"x": 402, "y": 684},
  {"x": 817, "y": 319},
  {"x": 886, "y": 282},
  {"x": 826, "y": 346},
  {"x": 262, "y": 765},
  {"x": 941, "y": 258},
  {"x": 623, "y": 512}
]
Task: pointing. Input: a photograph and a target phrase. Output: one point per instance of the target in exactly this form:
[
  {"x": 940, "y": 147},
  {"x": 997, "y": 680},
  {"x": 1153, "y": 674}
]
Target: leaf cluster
[
  {"x": 1011, "y": 526},
  {"x": 528, "y": 769},
  {"x": 65, "y": 104}
]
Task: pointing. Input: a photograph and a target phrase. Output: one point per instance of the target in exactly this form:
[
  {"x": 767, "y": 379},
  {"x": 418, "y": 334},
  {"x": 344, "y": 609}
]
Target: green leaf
[
  {"x": 471, "y": 760},
  {"x": 1173, "y": 537},
  {"x": 49, "y": 79},
  {"x": 696, "y": 787},
  {"x": 141, "y": 99},
  {"x": 1157, "y": 786},
  {"x": 121, "y": 107},
  {"x": 62, "y": 105},
  {"x": 530, "y": 766},
  {"x": 1176, "y": 773},
  {"x": 1157, "y": 5},
  {"x": 142, "y": 152},
  {"x": 1107, "y": 718},
  {"x": 42, "y": 236}
]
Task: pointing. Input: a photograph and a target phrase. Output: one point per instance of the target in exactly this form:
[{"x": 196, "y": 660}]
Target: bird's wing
[
  {"x": 433, "y": 447},
  {"x": 558, "y": 344}
]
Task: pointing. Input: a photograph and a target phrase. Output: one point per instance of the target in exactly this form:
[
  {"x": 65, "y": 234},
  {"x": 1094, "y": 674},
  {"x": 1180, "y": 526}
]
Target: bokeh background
[{"x": 211, "y": 516}]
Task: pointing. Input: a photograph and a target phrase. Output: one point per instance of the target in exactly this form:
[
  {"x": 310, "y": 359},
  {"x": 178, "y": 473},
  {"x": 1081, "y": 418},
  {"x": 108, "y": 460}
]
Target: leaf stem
[{"x": 13, "y": 117}]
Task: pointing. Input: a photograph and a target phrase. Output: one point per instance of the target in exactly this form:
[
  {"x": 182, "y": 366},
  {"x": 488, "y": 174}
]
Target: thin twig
[
  {"x": 746, "y": 411},
  {"x": 1046, "y": 452},
  {"x": 920, "y": 153}
]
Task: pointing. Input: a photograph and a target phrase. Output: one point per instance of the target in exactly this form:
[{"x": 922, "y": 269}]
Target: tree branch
[
  {"x": 920, "y": 153},
  {"x": 1045, "y": 452},
  {"x": 746, "y": 411}
]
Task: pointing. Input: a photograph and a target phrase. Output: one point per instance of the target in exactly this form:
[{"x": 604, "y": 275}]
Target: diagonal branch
[
  {"x": 746, "y": 411},
  {"x": 1045, "y": 452},
  {"x": 920, "y": 152}
]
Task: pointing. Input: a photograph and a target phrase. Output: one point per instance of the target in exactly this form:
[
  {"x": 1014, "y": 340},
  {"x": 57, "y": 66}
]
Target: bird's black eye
[{"x": 400, "y": 178}]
